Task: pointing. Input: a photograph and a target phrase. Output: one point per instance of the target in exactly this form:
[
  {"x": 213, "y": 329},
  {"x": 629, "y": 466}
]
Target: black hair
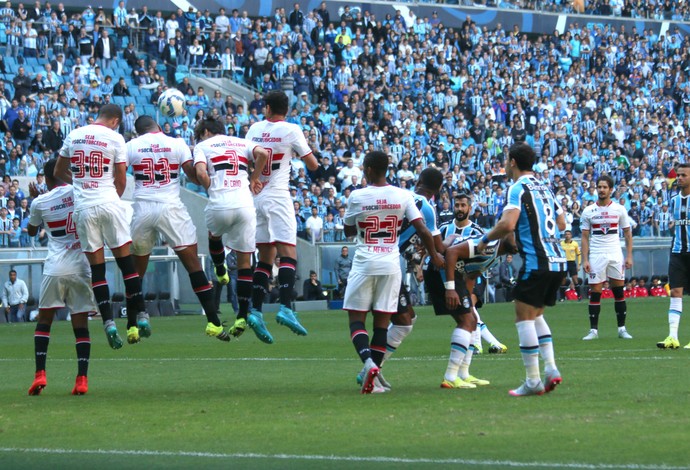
[
  {"x": 110, "y": 111},
  {"x": 49, "y": 169},
  {"x": 210, "y": 124},
  {"x": 377, "y": 161},
  {"x": 607, "y": 179},
  {"x": 523, "y": 154},
  {"x": 463, "y": 195},
  {"x": 145, "y": 124},
  {"x": 278, "y": 101},
  {"x": 431, "y": 178}
]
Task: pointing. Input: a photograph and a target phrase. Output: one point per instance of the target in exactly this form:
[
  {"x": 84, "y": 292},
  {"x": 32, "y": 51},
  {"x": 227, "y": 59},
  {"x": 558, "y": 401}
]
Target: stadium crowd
[{"x": 590, "y": 101}]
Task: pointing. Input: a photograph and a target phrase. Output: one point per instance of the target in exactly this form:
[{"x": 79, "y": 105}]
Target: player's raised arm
[{"x": 504, "y": 226}]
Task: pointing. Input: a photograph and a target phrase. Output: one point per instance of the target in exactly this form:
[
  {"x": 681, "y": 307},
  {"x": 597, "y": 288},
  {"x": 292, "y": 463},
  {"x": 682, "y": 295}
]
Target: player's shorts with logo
[
  {"x": 378, "y": 293},
  {"x": 275, "y": 218},
  {"x": 538, "y": 288},
  {"x": 679, "y": 271},
  {"x": 605, "y": 266},
  {"x": 437, "y": 293},
  {"x": 73, "y": 291},
  {"x": 403, "y": 298},
  {"x": 171, "y": 220},
  {"x": 105, "y": 224},
  {"x": 239, "y": 225}
]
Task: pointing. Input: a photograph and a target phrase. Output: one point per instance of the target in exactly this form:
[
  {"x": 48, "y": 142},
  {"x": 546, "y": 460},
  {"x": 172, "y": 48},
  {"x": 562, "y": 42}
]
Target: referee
[
  {"x": 14, "y": 297},
  {"x": 574, "y": 258}
]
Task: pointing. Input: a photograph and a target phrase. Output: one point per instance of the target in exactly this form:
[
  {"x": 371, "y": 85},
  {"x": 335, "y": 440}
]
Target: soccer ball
[{"x": 171, "y": 102}]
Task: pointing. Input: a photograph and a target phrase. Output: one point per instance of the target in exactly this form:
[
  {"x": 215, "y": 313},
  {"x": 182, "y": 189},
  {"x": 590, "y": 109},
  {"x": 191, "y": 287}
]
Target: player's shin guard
[
  {"x": 395, "y": 336},
  {"x": 217, "y": 252},
  {"x": 286, "y": 280},
  {"x": 360, "y": 339},
  {"x": 244, "y": 291},
  {"x": 135, "y": 298},
  {"x": 594, "y": 309},
  {"x": 620, "y": 305},
  {"x": 545, "y": 343},
  {"x": 101, "y": 292},
  {"x": 378, "y": 345},
  {"x": 675, "y": 310},
  {"x": 41, "y": 340},
  {"x": 83, "y": 346},
  {"x": 260, "y": 284},
  {"x": 204, "y": 292}
]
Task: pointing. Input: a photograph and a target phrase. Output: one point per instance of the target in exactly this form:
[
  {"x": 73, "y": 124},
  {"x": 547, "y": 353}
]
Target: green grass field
[{"x": 182, "y": 400}]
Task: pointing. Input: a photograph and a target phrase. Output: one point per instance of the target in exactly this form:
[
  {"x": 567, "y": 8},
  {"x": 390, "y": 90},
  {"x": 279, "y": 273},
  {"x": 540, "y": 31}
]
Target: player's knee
[
  {"x": 98, "y": 272},
  {"x": 594, "y": 297},
  {"x": 618, "y": 293}
]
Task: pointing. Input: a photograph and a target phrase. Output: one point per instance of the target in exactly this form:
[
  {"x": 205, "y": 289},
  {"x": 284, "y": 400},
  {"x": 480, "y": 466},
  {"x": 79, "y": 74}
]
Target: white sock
[
  {"x": 674, "y": 312},
  {"x": 459, "y": 345},
  {"x": 487, "y": 336},
  {"x": 396, "y": 335},
  {"x": 545, "y": 343},
  {"x": 464, "y": 370},
  {"x": 529, "y": 348}
]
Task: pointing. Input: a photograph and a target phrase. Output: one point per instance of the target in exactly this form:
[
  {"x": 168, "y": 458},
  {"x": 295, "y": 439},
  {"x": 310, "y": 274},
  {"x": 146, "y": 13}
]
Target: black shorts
[
  {"x": 679, "y": 270},
  {"x": 437, "y": 293},
  {"x": 403, "y": 298},
  {"x": 572, "y": 268},
  {"x": 539, "y": 289}
]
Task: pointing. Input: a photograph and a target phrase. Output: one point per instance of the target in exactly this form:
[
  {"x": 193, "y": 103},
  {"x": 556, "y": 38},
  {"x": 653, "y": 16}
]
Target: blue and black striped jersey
[{"x": 680, "y": 214}]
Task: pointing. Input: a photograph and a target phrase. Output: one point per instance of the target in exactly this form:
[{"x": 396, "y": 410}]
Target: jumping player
[
  {"x": 94, "y": 159},
  {"x": 66, "y": 278},
  {"x": 156, "y": 161},
  {"x": 222, "y": 168},
  {"x": 374, "y": 215},
  {"x": 602, "y": 258},
  {"x": 276, "y": 229}
]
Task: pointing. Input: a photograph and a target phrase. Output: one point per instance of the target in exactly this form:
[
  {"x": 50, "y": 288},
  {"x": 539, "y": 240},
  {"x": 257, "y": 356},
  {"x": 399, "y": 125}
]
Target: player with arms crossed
[
  {"x": 66, "y": 278},
  {"x": 428, "y": 184},
  {"x": 461, "y": 226},
  {"x": 156, "y": 161},
  {"x": 375, "y": 215},
  {"x": 276, "y": 227},
  {"x": 679, "y": 261},
  {"x": 94, "y": 159},
  {"x": 602, "y": 258},
  {"x": 533, "y": 213},
  {"x": 222, "y": 168}
]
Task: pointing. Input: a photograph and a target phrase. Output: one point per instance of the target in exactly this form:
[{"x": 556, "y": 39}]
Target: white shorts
[
  {"x": 275, "y": 218},
  {"x": 73, "y": 291},
  {"x": 106, "y": 224},
  {"x": 377, "y": 293},
  {"x": 605, "y": 266},
  {"x": 170, "y": 220},
  {"x": 239, "y": 226}
]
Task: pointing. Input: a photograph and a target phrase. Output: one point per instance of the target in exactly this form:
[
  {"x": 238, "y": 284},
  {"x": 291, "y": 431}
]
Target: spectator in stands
[
  {"x": 120, "y": 88},
  {"x": 312, "y": 288},
  {"x": 170, "y": 57},
  {"x": 22, "y": 84},
  {"x": 54, "y": 137},
  {"x": 105, "y": 50},
  {"x": 14, "y": 298}
]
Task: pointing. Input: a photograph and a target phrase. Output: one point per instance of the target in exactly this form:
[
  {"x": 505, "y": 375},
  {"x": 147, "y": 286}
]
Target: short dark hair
[
  {"x": 523, "y": 154},
  {"x": 110, "y": 111},
  {"x": 145, "y": 124},
  {"x": 278, "y": 101},
  {"x": 463, "y": 195},
  {"x": 684, "y": 165},
  {"x": 607, "y": 179},
  {"x": 431, "y": 178},
  {"x": 377, "y": 161},
  {"x": 210, "y": 124},
  {"x": 49, "y": 169}
]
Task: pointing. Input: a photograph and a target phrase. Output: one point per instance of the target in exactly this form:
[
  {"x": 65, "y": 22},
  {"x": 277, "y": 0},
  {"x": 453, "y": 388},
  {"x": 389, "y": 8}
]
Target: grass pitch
[{"x": 182, "y": 400}]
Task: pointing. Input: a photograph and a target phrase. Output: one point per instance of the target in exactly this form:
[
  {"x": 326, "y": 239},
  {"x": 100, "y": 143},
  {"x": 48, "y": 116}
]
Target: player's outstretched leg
[
  {"x": 217, "y": 252},
  {"x": 529, "y": 348},
  {"x": 674, "y": 313},
  {"x": 552, "y": 377},
  {"x": 137, "y": 319},
  {"x": 244, "y": 293}
]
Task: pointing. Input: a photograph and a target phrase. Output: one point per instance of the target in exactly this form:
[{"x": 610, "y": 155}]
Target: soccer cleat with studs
[
  {"x": 40, "y": 382},
  {"x": 81, "y": 385},
  {"x": 668, "y": 343}
]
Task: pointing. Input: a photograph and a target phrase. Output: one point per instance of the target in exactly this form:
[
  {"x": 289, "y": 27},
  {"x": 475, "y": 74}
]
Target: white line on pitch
[{"x": 336, "y": 458}]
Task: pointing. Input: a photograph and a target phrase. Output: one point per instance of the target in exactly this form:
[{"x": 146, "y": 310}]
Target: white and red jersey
[
  {"x": 282, "y": 140},
  {"x": 156, "y": 161},
  {"x": 604, "y": 222},
  {"x": 227, "y": 159},
  {"x": 378, "y": 212},
  {"x": 55, "y": 209},
  {"x": 94, "y": 150}
]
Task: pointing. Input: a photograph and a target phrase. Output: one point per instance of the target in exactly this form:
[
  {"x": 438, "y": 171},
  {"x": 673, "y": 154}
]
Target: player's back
[
  {"x": 604, "y": 223},
  {"x": 156, "y": 161},
  {"x": 680, "y": 214},
  {"x": 94, "y": 150},
  {"x": 536, "y": 231},
  {"x": 227, "y": 159},
  {"x": 377, "y": 213},
  {"x": 55, "y": 210},
  {"x": 282, "y": 140}
]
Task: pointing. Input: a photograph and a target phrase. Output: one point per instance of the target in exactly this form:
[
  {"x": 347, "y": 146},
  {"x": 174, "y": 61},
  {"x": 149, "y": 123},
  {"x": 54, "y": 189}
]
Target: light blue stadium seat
[
  {"x": 134, "y": 91},
  {"x": 119, "y": 100}
]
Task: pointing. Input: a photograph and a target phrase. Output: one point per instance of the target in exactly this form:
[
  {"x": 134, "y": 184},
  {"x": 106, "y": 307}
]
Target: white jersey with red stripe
[
  {"x": 94, "y": 150},
  {"x": 378, "y": 212},
  {"x": 156, "y": 161},
  {"x": 604, "y": 222},
  {"x": 282, "y": 140},
  {"x": 227, "y": 160},
  {"x": 55, "y": 209}
]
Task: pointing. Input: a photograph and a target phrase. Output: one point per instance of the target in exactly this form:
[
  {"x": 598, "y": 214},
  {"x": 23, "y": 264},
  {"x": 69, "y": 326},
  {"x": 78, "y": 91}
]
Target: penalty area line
[{"x": 333, "y": 458}]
